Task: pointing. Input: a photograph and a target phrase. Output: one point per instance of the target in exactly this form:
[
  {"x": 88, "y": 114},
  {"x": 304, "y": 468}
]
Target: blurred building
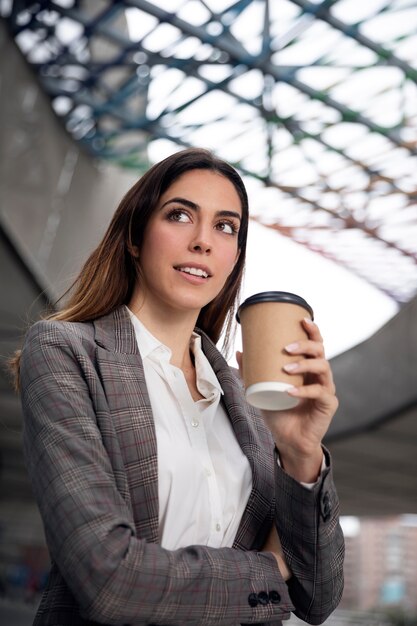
[{"x": 381, "y": 565}]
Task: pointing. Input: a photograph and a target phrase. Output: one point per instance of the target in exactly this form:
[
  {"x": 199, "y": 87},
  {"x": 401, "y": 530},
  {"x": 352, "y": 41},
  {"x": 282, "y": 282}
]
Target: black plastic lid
[{"x": 275, "y": 296}]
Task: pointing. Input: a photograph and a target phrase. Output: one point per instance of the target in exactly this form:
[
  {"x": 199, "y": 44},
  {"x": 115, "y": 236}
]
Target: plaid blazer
[{"x": 90, "y": 448}]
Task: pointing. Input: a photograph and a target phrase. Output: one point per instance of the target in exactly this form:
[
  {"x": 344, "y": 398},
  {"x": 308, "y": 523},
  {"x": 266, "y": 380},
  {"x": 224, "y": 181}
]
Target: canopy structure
[{"x": 314, "y": 101}]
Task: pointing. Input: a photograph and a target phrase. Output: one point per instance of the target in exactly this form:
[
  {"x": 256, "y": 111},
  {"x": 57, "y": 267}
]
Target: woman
[{"x": 162, "y": 491}]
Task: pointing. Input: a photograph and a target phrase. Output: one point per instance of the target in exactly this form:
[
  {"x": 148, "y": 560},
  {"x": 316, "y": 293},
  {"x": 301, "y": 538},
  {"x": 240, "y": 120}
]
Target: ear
[{"x": 134, "y": 251}]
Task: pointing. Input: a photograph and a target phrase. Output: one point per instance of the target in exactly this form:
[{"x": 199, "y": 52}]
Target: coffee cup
[{"x": 270, "y": 320}]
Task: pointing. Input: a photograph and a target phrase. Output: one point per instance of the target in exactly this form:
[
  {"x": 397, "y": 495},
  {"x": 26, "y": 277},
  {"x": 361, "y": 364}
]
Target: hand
[
  {"x": 298, "y": 432},
  {"x": 273, "y": 544}
]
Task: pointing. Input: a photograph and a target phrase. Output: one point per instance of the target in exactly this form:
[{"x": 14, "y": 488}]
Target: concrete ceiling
[
  {"x": 374, "y": 434},
  {"x": 373, "y": 437}
]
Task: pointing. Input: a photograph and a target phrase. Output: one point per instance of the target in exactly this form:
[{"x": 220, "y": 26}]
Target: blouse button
[
  {"x": 218, "y": 527},
  {"x": 195, "y": 423}
]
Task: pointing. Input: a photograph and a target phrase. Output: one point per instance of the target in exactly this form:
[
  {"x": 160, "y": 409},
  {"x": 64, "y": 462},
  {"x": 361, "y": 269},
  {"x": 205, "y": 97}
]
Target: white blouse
[{"x": 204, "y": 479}]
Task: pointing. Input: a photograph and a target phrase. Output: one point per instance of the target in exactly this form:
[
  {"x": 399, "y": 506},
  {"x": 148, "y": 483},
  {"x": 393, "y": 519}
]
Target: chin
[{"x": 191, "y": 304}]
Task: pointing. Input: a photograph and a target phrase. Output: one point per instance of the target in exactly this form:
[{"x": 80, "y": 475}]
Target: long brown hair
[{"x": 108, "y": 277}]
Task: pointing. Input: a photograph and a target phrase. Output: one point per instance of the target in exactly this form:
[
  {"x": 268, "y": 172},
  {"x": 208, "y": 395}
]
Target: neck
[{"x": 172, "y": 328}]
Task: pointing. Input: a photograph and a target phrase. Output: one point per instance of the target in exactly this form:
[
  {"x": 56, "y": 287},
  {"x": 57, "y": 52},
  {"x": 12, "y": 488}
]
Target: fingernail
[
  {"x": 290, "y": 367},
  {"x": 294, "y": 391},
  {"x": 308, "y": 320},
  {"x": 292, "y": 347}
]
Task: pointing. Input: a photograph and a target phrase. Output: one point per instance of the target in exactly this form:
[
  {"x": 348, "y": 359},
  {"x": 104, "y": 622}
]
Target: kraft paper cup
[{"x": 271, "y": 320}]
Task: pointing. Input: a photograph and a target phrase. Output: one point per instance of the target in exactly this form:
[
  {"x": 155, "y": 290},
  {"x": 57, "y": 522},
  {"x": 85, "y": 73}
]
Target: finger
[
  {"x": 307, "y": 347},
  {"x": 319, "y": 368},
  {"x": 312, "y": 329},
  {"x": 310, "y": 366},
  {"x": 315, "y": 392}
]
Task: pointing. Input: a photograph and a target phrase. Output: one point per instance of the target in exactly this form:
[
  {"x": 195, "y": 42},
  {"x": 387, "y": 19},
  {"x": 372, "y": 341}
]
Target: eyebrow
[{"x": 195, "y": 207}]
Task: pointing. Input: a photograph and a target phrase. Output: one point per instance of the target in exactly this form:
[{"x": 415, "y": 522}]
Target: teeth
[{"x": 194, "y": 271}]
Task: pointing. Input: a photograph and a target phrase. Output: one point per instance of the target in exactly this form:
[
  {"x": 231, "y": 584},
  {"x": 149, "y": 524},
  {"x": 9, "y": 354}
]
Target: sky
[{"x": 347, "y": 309}]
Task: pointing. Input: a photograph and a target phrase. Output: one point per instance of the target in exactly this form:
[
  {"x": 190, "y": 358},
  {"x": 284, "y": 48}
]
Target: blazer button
[
  {"x": 263, "y": 598},
  {"x": 253, "y": 600},
  {"x": 274, "y": 597},
  {"x": 326, "y": 507}
]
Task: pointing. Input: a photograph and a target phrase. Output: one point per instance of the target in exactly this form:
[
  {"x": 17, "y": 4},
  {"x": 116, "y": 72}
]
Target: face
[{"x": 191, "y": 243}]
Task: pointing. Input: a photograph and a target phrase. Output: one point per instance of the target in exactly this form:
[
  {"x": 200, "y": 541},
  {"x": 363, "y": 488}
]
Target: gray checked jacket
[{"x": 91, "y": 452}]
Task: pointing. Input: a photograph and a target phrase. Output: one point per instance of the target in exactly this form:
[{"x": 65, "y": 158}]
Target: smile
[{"x": 194, "y": 271}]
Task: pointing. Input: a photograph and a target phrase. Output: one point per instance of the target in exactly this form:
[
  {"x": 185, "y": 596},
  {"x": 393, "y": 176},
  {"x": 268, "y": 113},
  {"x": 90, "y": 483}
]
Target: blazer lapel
[
  {"x": 121, "y": 369},
  {"x": 256, "y": 442}
]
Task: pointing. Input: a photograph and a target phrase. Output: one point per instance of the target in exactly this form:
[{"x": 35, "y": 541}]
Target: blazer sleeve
[
  {"x": 116, "y": 577},
  {"x": 312, "y": 540}
]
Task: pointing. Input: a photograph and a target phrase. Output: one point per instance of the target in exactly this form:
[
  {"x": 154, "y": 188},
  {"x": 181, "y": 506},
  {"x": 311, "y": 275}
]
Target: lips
[{"x": 194, "y": 270}]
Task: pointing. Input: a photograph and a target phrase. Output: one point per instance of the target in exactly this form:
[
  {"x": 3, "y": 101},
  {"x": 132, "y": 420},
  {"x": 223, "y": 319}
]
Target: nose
[
  {"x": 201, "y": 246},
  {"x": 201, "y": 241}
]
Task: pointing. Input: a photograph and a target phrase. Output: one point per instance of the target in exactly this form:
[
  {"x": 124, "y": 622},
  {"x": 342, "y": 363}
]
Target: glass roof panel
[{"x": 315, "y": 103}]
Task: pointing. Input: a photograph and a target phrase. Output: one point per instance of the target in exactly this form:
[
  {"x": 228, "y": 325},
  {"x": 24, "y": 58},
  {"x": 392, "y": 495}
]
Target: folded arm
[{"x": 115, "y": 576}]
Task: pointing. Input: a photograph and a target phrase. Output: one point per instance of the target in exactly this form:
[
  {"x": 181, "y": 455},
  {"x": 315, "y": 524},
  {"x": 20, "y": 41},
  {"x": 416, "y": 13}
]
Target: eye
[
  {"x": 228, "y": 227},
  {"x": 178, "y": 215}
]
